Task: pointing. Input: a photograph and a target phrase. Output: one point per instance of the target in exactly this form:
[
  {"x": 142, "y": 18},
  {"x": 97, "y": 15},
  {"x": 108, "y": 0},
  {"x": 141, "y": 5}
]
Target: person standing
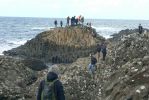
[
  {"x": 61, "y": 23},
  {"x": 79, "y": 19},
  {"x": 55, "y": 23},
  {"x": 68, "y": 19},
  {"x": 140, "y": 29},
  {"x": 82, "y": 20},
  {"x": 51, "y": 88}
]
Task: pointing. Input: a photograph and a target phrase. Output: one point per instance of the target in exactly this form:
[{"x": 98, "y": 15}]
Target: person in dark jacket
[
  {"x": 55, "y": 23},
  {"x": 92, "y": 65},
  {"x": 104, "y": 50},
  {"x": 140, "y": 29},
  {"x": 101, "y": 48},
  {"x": 68, "y": 19},
  {"x": 58, "y": 88},
  {"x": 61, "y": 23}
]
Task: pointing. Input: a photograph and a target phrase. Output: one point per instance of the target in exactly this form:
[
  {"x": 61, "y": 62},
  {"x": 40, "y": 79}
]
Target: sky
[{"x": 100, "y": 9}]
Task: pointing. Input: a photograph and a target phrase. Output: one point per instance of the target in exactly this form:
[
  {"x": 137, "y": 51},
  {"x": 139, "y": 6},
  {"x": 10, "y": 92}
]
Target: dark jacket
[
  {"x": 103, "y": 49},
  {"x": 61, "y": 22},
  {"x": 93, "y": 60},
  {"x": 140, "y": 29},
  {"x": 57, "y": 87},
  {"x": 98, "y": 48}
]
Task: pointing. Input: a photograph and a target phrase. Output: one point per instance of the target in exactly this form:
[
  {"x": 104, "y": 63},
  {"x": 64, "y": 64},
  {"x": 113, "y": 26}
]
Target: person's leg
[
  {"x": 93, "y": 72},
  {"x": 93, "y": 69},
  {"x": 104, "y": 55},
  {"x": 89, "y": 68},
  {"x": 98, "y": 56}
]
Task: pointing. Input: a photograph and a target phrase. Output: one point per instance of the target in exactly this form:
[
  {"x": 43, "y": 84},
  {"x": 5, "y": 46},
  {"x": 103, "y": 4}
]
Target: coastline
[
  {"x": 117, "y": 71},
  {"x": 15, "y": 30}
]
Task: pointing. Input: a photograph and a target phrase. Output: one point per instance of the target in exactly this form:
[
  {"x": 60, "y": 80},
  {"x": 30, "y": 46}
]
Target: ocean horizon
[{"x": 15, "y": 31}]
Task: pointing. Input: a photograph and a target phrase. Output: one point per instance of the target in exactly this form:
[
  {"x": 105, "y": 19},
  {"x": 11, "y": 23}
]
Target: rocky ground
[
  {"x": 123, "y": 76},
  {"x": 129, "y": 80},
  {"x": 15, "y": 78}
]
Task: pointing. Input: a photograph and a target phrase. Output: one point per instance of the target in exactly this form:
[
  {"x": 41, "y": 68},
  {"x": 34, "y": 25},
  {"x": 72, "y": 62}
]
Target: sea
[{"x": 16, "y": 31}]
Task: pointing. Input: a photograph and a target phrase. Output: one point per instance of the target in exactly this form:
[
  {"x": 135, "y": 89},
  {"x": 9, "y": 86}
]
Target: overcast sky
[{"x": 102, "y": 9}]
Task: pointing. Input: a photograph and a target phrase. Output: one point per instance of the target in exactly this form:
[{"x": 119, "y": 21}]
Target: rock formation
[
  {"x": 123, "y": 76},
  {"x": 61, "y": 45}
]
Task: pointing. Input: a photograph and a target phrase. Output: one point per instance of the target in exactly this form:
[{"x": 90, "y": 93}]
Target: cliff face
[{"x": 61, "y": 45}]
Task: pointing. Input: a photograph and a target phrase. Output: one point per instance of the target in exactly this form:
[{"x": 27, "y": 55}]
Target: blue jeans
[{"x": 91, "y": 68}]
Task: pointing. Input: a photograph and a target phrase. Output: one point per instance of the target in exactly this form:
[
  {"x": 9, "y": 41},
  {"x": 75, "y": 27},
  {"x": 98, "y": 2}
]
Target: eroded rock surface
[
  {"x": 60, "y": 45},
  {"x": 129, "y": 80},
  {"x": 123, "y": 76}
]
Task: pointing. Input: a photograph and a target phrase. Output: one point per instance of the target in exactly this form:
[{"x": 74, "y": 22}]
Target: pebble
[
  {"x": 142, "y": 87},
  {"x": 138, "y": 91}
]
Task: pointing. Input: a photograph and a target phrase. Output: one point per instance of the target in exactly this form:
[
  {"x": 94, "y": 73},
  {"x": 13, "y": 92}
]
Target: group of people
[
  {"x": 100, "y": 48},
  {"x": 75, "y": 20}
]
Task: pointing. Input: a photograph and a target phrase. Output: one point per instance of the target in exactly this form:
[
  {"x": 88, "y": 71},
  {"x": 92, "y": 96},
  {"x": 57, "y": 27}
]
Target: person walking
[
  {"x": 92, "y": 65},
  {"x": 101, "y": 48},
  {"x": 51, "y": 88},
  {"x": 104, "y": 50}
]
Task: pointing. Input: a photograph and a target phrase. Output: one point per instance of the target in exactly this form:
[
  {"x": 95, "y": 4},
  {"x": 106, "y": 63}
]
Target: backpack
[
  {"x": 48, "y": 92},
  {"x": 93, "y": 60},
  {"x": 103, "y": 49}
]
